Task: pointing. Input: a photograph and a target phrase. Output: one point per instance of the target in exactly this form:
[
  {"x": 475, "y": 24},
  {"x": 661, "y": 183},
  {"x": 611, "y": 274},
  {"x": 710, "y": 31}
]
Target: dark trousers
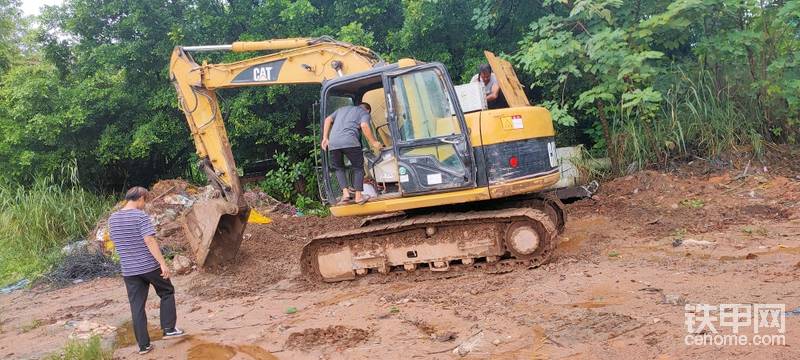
[
  {"x": 356, "y": 158},
  {"x": 138, "y": 287}
]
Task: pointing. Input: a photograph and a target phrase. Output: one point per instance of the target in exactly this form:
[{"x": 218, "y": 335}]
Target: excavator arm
[{"x": 215, "y": 228}]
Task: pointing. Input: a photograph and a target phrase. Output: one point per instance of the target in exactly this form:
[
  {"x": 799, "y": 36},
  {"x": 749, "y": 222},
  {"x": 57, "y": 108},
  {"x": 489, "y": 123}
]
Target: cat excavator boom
[{"x": 215, "y": 228}]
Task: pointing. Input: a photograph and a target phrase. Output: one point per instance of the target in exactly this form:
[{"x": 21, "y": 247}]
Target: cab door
[{"x": 432, "y": 147}]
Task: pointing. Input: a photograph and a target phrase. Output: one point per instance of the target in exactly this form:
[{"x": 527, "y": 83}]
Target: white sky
[{"x": 31, "y": 7}]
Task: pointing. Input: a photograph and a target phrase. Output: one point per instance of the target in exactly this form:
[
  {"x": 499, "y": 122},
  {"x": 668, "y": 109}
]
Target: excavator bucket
[{"x": 214, "y": 229}]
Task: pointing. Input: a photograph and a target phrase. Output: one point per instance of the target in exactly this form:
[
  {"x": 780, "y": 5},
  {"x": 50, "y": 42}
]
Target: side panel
[
  {"x": 412, "y": 202},
  {"x": 532, "y": 157},
  {"x": 511, "y": 124},
  {"x": 525, "y": 134}
]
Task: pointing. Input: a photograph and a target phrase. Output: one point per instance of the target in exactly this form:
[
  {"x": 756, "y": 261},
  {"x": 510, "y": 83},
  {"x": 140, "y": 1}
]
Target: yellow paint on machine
[
  {"x": 412, "y": 202},
  {"x": 509, "y": 124},
  {"x": 510, "y": 188},
  {"x": 513, "y": 124},
  {"x": 517, "y": 187}
]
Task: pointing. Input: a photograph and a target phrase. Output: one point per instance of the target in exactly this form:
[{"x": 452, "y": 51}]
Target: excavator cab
[{"x": 417, "y": 118}]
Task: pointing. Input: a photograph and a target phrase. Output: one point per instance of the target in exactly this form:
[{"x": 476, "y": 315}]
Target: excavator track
[{"x": 433, "y": 243}]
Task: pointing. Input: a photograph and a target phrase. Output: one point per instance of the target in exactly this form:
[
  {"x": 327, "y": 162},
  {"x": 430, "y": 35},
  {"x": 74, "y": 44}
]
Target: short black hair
[
  {"x": 135, "y": 193},
  {"x": 484, "y": 68},
  {"x": 369, "y": 108}
]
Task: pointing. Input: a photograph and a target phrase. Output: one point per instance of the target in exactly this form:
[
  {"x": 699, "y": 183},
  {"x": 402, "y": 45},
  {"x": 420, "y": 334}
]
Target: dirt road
[{"x": 628, "y": 263}]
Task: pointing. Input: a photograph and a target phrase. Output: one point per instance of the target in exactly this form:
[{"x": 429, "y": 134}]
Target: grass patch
[
  {"x": 35, "y": 324},
  {"x": 90, "y": 349},
  {"x": 693, "y": 203},
  {"x": 39, "y": 219}
]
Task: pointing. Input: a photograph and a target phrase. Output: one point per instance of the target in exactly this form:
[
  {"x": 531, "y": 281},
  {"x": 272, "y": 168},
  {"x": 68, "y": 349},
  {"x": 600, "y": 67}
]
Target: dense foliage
[{"x": 645, "y": 80}]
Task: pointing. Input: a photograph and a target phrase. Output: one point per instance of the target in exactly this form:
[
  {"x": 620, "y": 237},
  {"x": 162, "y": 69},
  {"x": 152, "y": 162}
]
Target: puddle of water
[
  {"x": 210, "y": 351},
  {"x": 256, "y": 352},
  {"x": 124, "y": 336},
  {"x": 204, "y": 350},
  {"x": 199, "y": 350}
]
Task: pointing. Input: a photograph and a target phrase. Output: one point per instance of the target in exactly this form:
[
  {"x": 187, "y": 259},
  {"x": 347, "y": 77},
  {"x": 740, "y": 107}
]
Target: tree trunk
[{"x": 610, "y": 146}]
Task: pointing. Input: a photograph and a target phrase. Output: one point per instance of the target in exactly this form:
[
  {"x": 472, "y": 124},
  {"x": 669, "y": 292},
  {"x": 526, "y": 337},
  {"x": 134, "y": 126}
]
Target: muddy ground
[{"x": 628, "y": 262}]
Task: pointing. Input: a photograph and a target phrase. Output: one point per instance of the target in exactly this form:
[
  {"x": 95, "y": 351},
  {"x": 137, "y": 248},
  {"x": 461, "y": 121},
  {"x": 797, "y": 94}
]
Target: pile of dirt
[
  {"x": 339, "y": 336},
  {"x": 668, "y": 203},
  {"x": 270, "y": 253},
  {"x": 169, "y": 202}
]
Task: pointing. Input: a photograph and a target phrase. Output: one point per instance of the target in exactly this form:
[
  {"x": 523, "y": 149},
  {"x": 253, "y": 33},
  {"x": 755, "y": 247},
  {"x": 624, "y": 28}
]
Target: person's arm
[
  {"x": 495, "y": 91},
  {"x": 365, "y": 128},
  {"x": 326, "y": 130},
  {"x": 152, "y": 245},
  {"x": 148, "y": 232}
]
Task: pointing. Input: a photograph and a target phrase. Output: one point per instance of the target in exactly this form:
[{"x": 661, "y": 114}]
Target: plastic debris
[
  {"x": 16, "y": 286},
  {"x": 257, "y": 218}
]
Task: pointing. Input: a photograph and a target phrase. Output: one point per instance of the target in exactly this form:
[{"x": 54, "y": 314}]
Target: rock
[
  {"x": 444, "y": 336},
  {"x": 751, "y": 256},
  {"x": 178, "y": 199},
  {"x": 656, "y": 320},
  {"x": 699, "y": 243},
  {"x": 169, "y": 215},
  {"x": 496, "y": 342},
  {"x": 181, "y": 264},
  {"x": 85, "y": 326},
  {"x": 169, "y": 229},
  {"x": 346, "y": 304},
  {"x": 470, "y": 344},
  {"x": 673, "y": 299}
]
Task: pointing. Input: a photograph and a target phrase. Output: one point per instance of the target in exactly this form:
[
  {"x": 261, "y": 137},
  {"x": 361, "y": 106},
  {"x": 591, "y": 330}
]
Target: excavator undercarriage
[{"x": 524, "y": 235}]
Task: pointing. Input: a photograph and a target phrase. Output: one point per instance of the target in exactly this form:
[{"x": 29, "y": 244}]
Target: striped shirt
[{"x": 127, "y": 228}]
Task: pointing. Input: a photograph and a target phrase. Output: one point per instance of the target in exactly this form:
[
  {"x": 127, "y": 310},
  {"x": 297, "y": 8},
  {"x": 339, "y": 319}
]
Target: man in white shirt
[{"x": 491, "y": 88}]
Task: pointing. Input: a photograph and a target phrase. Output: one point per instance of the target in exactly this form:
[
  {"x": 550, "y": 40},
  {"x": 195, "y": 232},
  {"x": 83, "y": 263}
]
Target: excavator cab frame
[{"x": 430, "y": 137}]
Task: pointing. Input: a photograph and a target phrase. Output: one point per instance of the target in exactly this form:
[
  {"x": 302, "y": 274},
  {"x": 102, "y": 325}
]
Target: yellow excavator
[{"x": 456, "y": 185}]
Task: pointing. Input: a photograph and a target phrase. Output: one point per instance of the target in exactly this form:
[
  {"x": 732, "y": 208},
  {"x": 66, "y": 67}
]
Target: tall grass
[
  {"x": 38, "y": 219},
  {"x": 697, "y": 119}
]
